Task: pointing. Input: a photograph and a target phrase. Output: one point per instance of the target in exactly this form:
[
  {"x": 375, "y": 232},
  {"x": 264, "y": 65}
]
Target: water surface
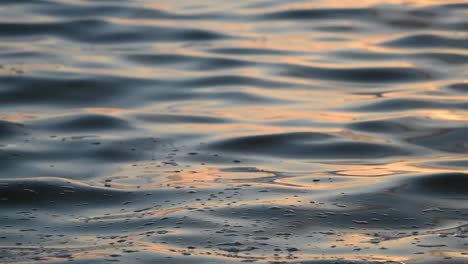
[{"x": 233, "y": 131}]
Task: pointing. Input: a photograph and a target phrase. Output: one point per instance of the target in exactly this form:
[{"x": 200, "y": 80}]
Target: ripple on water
[
  {"x": 446, "y": 184},
  {"x": 10, "y": 129},
  {"x": 428, "y": 41},
  {"x": 359, "y": 75},
  {"x": 458, "y": 87},
  {"x": 82, "y": 123},
  {"x": 307, "y": 145},
  {"x": 55, "y": 192},
  {"x": 191, "y": 62},
  {"x": 56, "y": 91},
  {"x": 308, "y": 14},
  {"x": 99, "y": 31}
]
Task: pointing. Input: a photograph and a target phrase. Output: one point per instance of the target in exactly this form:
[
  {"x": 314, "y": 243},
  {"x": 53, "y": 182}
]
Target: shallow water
[{"x": 233, "y": 131}]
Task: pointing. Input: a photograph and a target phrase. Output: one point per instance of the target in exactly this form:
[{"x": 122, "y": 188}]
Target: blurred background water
[{"x": 233, "y": 131}]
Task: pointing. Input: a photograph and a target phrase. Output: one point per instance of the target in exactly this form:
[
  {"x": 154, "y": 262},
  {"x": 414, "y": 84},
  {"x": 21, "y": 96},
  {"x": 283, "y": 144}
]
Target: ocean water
[{"x": 233, "y": 131}]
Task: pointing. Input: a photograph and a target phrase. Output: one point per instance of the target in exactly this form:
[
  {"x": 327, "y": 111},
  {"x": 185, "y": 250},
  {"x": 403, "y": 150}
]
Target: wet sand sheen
[{"x": 233, "y": 132}]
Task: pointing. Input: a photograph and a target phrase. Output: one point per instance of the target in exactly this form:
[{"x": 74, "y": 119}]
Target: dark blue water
[{"x": 233, "y": 131}]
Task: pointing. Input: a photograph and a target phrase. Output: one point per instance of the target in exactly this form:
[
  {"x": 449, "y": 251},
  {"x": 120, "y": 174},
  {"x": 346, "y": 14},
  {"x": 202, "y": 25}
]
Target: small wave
[
  {"x": 365, "y": 75},
  {"x": 428, "y": 41},
  {"x": 307, "y": 146},
  {"x": 194, "y": 63},
  {"x": 104, "y": 32},
  {"x": 55, "y": 192},
  {"x": 82, "y": 123},
  {"x": 308, "y": 14}
]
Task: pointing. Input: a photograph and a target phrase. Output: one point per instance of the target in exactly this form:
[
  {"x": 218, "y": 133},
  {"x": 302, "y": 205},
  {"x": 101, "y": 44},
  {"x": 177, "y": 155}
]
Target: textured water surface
[{"x": 233, "y": 131}]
